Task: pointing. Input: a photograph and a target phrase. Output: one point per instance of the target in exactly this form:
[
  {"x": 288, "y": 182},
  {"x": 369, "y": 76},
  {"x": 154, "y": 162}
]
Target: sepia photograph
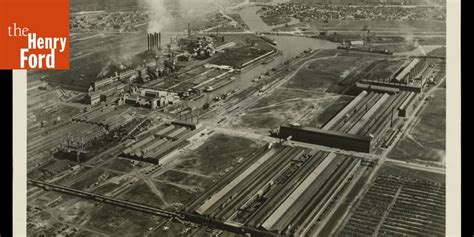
[{"x": 242, "y": 118}]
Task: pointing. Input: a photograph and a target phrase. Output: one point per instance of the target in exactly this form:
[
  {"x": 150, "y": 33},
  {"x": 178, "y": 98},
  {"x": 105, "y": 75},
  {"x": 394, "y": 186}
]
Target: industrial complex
[{"x": 241, "y": 118}]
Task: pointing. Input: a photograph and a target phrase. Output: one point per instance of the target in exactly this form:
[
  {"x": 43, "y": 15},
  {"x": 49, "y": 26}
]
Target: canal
[{"x": 290, "y": 46}]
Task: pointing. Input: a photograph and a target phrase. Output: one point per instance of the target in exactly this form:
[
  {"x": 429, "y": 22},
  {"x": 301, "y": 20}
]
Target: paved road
[{"x": 418, "y": 166}]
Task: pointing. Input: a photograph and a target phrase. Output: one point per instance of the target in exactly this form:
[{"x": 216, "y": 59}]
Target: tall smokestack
[
  {"x": 149, "y": 42},
  {"x": 156, "y": 41},
  {"x": 159, "y": 40},
  {"x": 189, "y": 30},
  {"x": 153, "y": 40}
]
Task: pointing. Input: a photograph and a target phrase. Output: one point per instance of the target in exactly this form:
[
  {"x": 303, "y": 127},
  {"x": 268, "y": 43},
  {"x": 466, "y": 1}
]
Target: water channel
[{"x": 290, "y": 46}]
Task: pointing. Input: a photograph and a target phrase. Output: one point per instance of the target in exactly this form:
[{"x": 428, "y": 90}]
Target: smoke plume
[
  {"x": 159, "y": 16},
  {"x": 411, "y": 40}
]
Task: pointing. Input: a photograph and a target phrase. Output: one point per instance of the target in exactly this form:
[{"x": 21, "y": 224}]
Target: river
[{"x": 289, "y": 45}]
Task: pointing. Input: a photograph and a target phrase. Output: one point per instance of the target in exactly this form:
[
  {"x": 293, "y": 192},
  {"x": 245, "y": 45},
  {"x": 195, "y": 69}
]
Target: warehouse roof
[
  {"x": 407, "y": 69},
  {"x": 328, "y": 132}
]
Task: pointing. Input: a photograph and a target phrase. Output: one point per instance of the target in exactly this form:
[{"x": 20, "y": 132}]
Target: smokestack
[
  {"x": 159, "y": 40},
  {"x": 148, "y": 41},
  {"x": 154, "y": 40},
  {"x": 189, "y": 30},
  {"x": 151, "y": 42}
]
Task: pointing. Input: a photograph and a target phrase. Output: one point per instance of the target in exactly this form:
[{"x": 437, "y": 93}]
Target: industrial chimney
[
  {"x": 148, "y": 41},
  {"x": 189, "y": 30},
  {"x": 151, "y": 42},
  {"x": 159, "y": 40},
  {"x": 154, "y": 41}
]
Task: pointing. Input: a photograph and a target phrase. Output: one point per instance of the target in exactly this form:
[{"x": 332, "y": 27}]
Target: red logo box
[{"x": 34, "y": 34}]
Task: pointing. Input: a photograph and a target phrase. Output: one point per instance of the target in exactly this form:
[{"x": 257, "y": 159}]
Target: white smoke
[
  {"x": 159, "y": 16},
  {"x": 411, "y": 40}
]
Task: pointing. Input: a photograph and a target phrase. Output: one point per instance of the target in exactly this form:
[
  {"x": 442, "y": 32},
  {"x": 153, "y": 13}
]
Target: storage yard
[
  {"x": 222, "y": 125},
  {"x": 399, "y": 204}
]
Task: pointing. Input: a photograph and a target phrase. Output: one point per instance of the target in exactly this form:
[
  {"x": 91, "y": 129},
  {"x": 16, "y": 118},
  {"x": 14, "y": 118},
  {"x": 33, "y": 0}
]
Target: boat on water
[{"x": 268, "y": 40}]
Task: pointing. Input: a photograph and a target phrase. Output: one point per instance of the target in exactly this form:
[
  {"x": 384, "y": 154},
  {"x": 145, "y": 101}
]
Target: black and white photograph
[{"x": 242, "y": 118}]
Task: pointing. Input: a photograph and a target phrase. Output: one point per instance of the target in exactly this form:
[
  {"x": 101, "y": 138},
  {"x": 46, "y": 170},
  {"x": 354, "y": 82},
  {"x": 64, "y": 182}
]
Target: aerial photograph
[{"x": 242, "y": 118}]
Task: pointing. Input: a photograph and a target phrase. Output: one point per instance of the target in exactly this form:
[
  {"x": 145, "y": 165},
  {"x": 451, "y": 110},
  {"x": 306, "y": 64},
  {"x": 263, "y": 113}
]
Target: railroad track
[
  {"x": 105, "y": 199},
  {"x": 294, "y": 208},
  {"x": 326, "y": 196},
  {"x": 264, "y": 177},
  {"x": 279, "y": 193},
  {"x": 150, "y": 210},
  {"x": 252, "y": 175},
  {"x": 251, "y": 157}
]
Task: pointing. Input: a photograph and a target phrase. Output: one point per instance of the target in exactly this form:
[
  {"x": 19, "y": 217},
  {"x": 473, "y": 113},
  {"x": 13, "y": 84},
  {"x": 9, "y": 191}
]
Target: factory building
[
  {"x": 158, "y": 148},
  {"x": 104, "y": 82},
  {"x": 140, "y": 101},
  {"x": 408, "y": 105},
  {"x": 112, "y": 91},
  {"x": 150, "y": 98},
  {"x": 383, "y": 86},
  {"x": 164, "y": 97},
  {"x": 92, "y": 98},
  {"x": 157, "y": 93},
  {"x": 409, "y": 72},
  {"x": 356, "y": 43},
  {"x": 326, "y": 138},
  {"x": 199, "y": 47},
  {"x": 377, "y": 88}
]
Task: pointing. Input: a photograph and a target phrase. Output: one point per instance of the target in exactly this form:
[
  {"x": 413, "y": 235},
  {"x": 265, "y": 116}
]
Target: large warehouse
[{"x": 326, "y": 138}]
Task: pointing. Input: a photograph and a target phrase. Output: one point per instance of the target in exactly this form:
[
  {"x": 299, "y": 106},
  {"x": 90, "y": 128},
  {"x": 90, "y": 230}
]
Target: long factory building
[
  {"x": 84, "y": 127},
  {"x": 367, "y": 121},
  {"x": 412, "y": 75},
  {"x": 282, "y": 189},
  {"x": 409, "y": 71},
  {"x": 163, "y": 141}
]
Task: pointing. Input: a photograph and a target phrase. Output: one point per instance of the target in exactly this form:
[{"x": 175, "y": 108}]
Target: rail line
[
  {"x": 152, "y": 210},
  {"x": 105, "y": 199}
]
